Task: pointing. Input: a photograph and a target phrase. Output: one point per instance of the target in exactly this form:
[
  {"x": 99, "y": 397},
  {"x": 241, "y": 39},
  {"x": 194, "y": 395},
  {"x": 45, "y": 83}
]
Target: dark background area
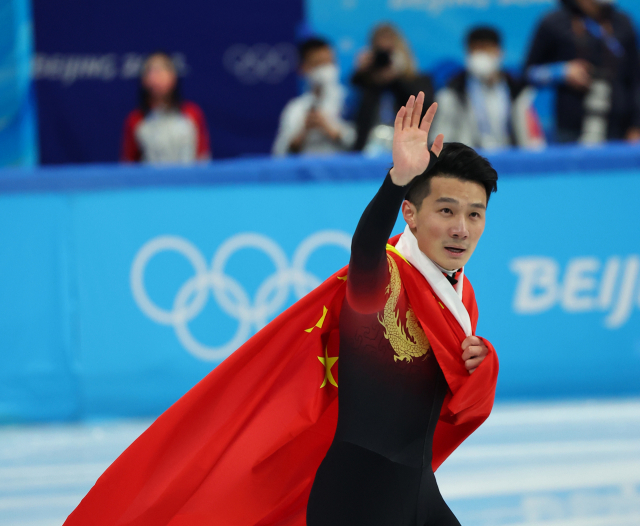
[{"x": 239, "y": 66}]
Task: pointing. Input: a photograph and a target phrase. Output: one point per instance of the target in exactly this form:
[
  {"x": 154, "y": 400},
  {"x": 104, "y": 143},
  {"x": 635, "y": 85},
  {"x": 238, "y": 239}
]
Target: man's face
[
  {"x": 316, "y": 58},
  {"x": 482, "y": 46},
  {"x": 450, "y": 220}
]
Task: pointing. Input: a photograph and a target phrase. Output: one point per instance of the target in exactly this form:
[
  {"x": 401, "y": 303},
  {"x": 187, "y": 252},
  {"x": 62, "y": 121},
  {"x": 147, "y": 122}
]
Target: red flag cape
[{"x": 242, "y": 447}]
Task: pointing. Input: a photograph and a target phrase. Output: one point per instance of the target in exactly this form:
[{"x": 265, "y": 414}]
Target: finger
[
  {"x": 437, "y": 145},
  {"x": 471, "y": 352},
  {"x": 428, "y": 117},
  {"x": 407, "y": 117},
  {"x": 470, "y": 340},
  {"x": 473, "y": 363},
  {"x": 475, "y": 351},
  {"x": 399, "y": 116},
  {"x": 417, "y": 110}
]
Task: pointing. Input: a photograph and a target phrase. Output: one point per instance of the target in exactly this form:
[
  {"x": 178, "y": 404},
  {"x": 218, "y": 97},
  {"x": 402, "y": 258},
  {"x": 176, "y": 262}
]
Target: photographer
[
  {"x": 386, "y": 76},
  {"x": 312, "y": 123}
]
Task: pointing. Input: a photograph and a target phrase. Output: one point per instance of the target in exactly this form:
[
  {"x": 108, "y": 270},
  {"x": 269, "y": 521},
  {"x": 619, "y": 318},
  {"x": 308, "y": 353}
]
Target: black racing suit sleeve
[{"x": 368, "y": 267}]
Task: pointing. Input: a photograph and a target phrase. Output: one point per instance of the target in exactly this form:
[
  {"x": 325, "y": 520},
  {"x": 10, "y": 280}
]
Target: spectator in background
[
  {"x": 484, "y": 106},
  {"x": 588, "y": 49},
  {"x": 386, "y": 76},
  {"x": 164, "y": 129},
  {"x": 312, "y": 122}
]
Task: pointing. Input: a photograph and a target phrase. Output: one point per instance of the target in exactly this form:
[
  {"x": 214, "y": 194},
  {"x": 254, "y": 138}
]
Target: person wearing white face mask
[
  {"x": 484, "y": 106},
  {"x": 312, "y": 123}
]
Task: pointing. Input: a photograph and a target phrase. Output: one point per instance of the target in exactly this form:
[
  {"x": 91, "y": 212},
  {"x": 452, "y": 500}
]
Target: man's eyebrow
[{"x": 455, "y": 202}]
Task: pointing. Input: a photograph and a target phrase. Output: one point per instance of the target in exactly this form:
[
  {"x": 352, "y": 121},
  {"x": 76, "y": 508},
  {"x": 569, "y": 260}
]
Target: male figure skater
[
  {"x": 378, "y": 469},
  {"x": 265, "y": 439}
]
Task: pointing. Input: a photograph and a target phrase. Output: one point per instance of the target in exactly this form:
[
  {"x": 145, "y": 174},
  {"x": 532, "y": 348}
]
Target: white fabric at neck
[{"x": 408, "y": 247}]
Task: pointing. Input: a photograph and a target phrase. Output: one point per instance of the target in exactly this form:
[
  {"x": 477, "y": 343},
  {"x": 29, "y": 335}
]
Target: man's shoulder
[
  {"x": 623, "y": 20},
  {"x": 458, "y": 83}
]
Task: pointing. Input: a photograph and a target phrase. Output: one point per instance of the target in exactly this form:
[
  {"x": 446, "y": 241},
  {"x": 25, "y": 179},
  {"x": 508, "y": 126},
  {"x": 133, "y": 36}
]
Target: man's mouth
[{"x": 454, "y": 250}]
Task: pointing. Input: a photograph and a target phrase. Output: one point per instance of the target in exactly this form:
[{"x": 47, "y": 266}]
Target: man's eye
[
  {"x": 446, "y": 210},
  {"x": 475, "y": 214}
]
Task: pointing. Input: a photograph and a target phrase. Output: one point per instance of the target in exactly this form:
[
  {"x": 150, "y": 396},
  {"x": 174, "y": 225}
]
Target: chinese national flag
[{"x": 242, "y": 447}]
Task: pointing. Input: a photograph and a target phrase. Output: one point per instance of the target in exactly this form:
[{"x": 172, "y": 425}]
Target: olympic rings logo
[
  {"x": 230, "y": 295},
  {"x": 260, "y": 62}
]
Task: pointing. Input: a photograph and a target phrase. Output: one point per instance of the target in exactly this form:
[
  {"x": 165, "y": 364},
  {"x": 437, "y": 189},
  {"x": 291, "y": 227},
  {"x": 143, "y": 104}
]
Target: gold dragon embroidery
[{"x": 406, "y": 347}]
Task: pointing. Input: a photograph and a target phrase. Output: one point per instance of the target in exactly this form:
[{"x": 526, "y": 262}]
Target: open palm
[{"x": 411, "y": 153}]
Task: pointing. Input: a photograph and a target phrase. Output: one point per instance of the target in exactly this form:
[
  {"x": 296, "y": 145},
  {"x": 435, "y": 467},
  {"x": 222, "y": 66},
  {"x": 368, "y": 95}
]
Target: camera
[{"x": 381, "y": 59}]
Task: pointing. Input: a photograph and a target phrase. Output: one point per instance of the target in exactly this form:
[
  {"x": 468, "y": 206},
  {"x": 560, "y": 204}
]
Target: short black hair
[
  {"x": 310, "y": 45},
  {"x": 484, "y": 34},
  {"x": 461, "y": 162}
]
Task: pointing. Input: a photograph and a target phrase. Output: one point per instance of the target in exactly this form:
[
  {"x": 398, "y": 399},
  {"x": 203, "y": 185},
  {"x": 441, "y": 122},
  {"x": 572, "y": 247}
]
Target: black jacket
[
  {"x": 556, "y": 41},
  {"x": 371, "y": 93}
]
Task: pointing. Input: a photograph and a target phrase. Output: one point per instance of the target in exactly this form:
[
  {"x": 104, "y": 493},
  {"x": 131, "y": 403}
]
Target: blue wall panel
[
  {"x": 37, "y": 362},
  {"x": 116, "y": 300}
]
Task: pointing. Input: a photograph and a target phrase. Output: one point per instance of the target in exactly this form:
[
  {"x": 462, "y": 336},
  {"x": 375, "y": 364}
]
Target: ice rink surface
[{"x": 551, "y": 464}]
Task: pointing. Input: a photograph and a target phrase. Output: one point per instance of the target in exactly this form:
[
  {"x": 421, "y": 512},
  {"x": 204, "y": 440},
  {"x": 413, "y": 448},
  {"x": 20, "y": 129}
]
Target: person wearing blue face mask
[
  {"x": 588, "y": 50},
  {"x": 312, "y": 123},
  {"x": 484, "y": 106}
]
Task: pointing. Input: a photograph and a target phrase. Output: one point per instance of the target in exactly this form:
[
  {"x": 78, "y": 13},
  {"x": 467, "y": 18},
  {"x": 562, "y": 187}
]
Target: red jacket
[{"x": 131, "y": 151}]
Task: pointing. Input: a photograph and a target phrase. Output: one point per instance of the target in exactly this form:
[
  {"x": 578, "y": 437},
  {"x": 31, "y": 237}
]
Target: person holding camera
[
  {"x": 386, "y": 76},
  {"x": 312, "y": 123}
]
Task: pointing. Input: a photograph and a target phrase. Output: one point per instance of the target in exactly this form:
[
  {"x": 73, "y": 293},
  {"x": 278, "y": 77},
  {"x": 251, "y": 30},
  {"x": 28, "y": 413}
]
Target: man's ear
[{"x": 409, "y": 213}]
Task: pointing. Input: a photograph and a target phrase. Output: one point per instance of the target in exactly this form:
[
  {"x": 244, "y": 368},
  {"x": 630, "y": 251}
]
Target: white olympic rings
[
  {"x": 230, "y": 295},
  {"x": 261, "y": 62}
]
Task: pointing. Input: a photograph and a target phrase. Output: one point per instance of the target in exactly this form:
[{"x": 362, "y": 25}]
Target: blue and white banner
[{"x": 116, "y": 302}]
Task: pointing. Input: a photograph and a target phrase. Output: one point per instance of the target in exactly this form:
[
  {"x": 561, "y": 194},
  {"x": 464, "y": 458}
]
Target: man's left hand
[{"x": 474, "y": 351}]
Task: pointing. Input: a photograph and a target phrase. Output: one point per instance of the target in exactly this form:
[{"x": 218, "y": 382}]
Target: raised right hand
[{"x": 410, "y": 149}]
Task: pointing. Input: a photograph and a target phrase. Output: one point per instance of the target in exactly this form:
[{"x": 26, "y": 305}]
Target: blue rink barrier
[{"x": 121, "y": 287}]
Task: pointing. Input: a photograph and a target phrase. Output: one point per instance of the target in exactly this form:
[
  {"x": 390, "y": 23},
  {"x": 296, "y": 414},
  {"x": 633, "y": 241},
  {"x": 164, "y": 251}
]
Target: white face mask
[
  {"x": 324, "y": 75},
  {"x": 483, "y": 65}
]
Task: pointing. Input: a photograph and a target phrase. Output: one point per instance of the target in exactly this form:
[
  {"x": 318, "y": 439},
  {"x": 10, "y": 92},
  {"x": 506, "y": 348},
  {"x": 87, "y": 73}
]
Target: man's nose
[{"x": 459, "y": 229}]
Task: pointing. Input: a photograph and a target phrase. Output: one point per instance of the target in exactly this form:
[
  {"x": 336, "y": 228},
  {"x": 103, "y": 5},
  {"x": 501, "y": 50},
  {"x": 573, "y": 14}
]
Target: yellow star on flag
[
  {"x": 328, "y": 362},
  {"x": 320, "y": 322}
]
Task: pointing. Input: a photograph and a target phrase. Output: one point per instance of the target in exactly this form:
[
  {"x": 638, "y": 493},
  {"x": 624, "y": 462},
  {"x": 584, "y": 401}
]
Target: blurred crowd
[{"x": 584, "y": 51}]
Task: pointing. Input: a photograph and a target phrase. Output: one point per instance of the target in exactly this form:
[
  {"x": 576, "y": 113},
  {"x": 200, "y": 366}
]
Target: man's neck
[{"x": 448, "y": 272}]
